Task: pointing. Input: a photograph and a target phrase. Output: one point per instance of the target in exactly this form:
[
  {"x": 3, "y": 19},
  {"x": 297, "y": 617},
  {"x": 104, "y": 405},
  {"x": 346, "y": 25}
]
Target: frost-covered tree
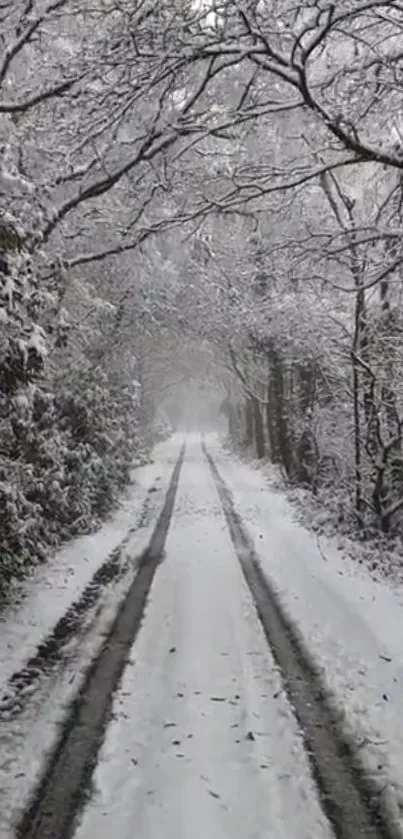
[{"x": 232, "y": 177}]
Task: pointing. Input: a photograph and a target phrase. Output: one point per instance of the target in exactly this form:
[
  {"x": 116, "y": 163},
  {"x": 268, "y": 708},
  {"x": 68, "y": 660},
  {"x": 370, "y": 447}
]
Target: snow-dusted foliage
[
  {"x": 229, "y": 183},
  {"x": 67, "y": 437}
]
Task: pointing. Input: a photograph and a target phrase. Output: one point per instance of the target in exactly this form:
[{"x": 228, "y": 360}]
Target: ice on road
[{"x": 202, "y": 743}]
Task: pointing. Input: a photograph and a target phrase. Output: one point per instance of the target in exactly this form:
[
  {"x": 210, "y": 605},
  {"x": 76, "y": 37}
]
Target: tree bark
[
  {"x": 279, "y": 407},
  {"x": 270, "y": 424},
  {"x": 259, "y": 429},
  {"x": 249, "y": 422}
]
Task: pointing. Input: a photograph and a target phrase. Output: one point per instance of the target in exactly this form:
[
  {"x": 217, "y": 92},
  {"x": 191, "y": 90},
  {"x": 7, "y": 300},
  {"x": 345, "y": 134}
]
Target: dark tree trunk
[
  {"x": 232, "y": 421},
  {"x": 258, "y": 427},
  {"x": 249, "y": 422},
  {"x": 306, "y": 454},
  {"x": 357, "y": 441},
  {"x": 271, "y": 425},
  {"x": 279, "y": 410},
  {"x": 360, "y": 344}
]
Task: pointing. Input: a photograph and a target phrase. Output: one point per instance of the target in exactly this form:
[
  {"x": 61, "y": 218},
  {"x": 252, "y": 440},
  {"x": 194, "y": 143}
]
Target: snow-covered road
[
  {"x": 352, "y": 624},
  {"x": 44, "y": 599},
  {"x": 203, "y": 743}
]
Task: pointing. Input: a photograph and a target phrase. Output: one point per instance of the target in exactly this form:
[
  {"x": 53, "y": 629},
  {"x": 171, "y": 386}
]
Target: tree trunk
[
  {"x": 360, "y": 343},
  {"x": 249, "y": 422},
  {"x": 279, "y": 409},
  {"x": 258, "y": 428},
  {"x": 232, "y": 421},
  {"x": 357, "y": 442},
  {"x": 306, "y": 451},
  {"x": 270, "y": 424}
]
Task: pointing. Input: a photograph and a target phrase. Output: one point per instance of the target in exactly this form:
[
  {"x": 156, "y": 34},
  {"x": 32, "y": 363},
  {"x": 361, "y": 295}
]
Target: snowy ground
[
  {"x": 203, "y": 742},
  {"x": 45, "y": 596},
  {"x": 351, "y": 623},
  {"x": 43, "y": 599}
]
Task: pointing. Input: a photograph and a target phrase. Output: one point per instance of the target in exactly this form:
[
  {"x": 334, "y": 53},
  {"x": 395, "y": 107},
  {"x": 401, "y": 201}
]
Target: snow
[
  {"x": 37, "y": 341},
  {"x": 45, "y": 596},
  {"x": 26, "y": 740},
  {"x": 351, "y": 623},
  {"x": 202, "y": 740}
]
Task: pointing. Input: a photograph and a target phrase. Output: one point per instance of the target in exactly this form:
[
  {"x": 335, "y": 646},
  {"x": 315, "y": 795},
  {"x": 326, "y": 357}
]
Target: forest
[{"x": 198, "y": 190}]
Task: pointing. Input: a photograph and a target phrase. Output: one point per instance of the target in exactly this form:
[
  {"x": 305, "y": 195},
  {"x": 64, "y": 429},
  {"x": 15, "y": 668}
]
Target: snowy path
[
  {"x": 352, "y": 624},
  {"x": 200, "y": 738},
  {"x": 203, "y": 742},
  {"x": 45, "y": 598}
]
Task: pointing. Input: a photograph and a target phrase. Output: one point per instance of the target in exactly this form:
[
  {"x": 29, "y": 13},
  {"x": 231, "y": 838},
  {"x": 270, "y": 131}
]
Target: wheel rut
[
  {"x": 62, "y": 789},
  {"x": 50, "y": 653},
  {"x": 350, "y": 798}
]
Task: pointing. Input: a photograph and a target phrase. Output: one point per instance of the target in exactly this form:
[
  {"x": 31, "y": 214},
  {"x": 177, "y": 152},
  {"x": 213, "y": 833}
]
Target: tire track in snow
[
  {"x": 61, "y": 791},
  {"x": 23, "y": 683},
  {"x": 353, "y": 803}
]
